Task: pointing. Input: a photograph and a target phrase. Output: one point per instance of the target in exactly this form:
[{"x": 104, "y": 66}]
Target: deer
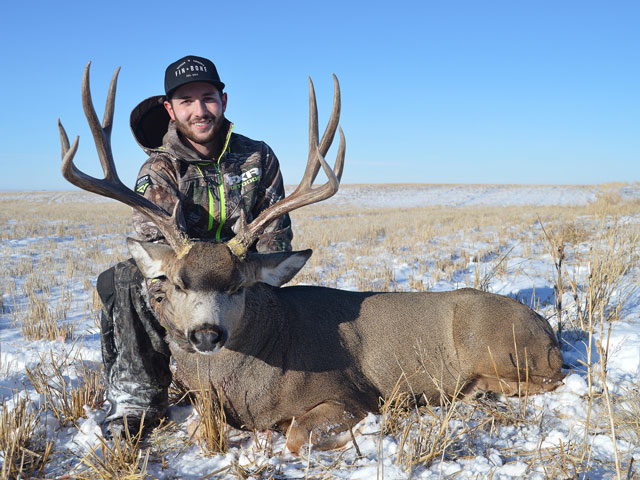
[{"x": 312, "y": 361}]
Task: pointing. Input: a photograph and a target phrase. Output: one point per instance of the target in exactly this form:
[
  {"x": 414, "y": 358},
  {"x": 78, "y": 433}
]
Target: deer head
[{"x": 203, "y": 297}]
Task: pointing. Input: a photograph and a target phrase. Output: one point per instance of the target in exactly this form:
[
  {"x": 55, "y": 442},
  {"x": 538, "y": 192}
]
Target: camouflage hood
[
  {"x": 149, "y": 123},
  {"x": 154, "y": 131}
]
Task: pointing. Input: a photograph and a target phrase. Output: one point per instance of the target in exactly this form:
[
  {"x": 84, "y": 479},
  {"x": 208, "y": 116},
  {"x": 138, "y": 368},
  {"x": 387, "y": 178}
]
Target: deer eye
[{"x": 178, "y": 288}]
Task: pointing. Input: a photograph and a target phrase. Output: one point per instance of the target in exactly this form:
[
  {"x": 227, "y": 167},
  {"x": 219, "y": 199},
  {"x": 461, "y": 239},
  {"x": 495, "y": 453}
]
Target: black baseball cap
[{"x": 191, "y": 69}]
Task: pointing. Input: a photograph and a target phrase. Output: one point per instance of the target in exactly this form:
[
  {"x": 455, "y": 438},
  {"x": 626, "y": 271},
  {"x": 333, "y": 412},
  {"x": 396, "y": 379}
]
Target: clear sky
[{"x": 433, "y": 92}]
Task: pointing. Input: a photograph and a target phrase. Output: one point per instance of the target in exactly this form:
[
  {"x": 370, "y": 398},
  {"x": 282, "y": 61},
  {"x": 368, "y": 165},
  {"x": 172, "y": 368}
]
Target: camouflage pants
[{"x": 134, "y": 352}]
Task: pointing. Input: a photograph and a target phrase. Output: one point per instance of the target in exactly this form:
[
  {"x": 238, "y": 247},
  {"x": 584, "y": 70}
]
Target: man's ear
[
  {"x": 169, "y": 108},
  {"x": 223, "y": 98},
  {"x": 274, "y": 268},
  {"x": 151, "y": 258}
]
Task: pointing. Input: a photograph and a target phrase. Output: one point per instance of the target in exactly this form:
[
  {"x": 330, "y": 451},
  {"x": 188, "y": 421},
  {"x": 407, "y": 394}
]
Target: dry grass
[
  {"x": 42, "y": 322},
  {"x": 627, "y": 415},
  {"x": 611, "y": 256},
  {"x": 424, "y": 434},
  {"x": 49, "y": 279},
  {"x": 211, "y": 430},
  {"x": 608, "y": 253},
  {"x": 22, "y": 441},
  {"x": 58, "y": 262},
  {"x": 454, "y": 429},
  {"x": 122, "y": 458},
  {"x": 66, "y": 400},
  {"x": 362, "y": 238}
]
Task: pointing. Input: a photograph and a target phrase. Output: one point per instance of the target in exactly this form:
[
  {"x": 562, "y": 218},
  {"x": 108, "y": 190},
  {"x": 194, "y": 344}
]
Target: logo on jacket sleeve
[
  {"x": 142, "y": 184},
  {"x": 239, "y": 181}
]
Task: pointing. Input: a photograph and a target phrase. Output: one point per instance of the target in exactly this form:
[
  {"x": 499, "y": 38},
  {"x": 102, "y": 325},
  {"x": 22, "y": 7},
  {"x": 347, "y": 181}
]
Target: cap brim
[{"x": 218, "y": 85}]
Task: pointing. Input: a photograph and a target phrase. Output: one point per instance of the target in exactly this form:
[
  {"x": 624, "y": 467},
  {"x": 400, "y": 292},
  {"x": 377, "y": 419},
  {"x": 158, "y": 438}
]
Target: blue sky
[{"x": 433, "y": 92}]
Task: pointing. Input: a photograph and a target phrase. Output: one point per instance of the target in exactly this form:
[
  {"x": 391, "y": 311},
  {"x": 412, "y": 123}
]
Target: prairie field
[{"x": 570, "y": 252}]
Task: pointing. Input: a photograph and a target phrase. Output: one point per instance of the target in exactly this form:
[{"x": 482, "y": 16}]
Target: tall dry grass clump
[
  {"x": 41, "y": 322},
  {"x": 66, "y": 399},
  {"x": 211, "y": 430},
  {"x": 124, "y": 457},
  {"x": 423, "y": 434},
  {"x": 596, "y": 261},
  {"x": 627, "y": 415},
  {"x": 22, "y": 441},
  {"x": 612, "y": 255}
]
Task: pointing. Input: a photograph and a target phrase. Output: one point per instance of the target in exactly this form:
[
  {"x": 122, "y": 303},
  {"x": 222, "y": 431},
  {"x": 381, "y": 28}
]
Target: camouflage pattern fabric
[
  {"x": 134, "y": 352},
  {"x": 214, "y": 193}
]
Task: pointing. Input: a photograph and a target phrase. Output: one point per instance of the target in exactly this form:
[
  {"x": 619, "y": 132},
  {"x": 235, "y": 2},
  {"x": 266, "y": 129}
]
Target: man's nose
[{"x": 200, "y": 108}]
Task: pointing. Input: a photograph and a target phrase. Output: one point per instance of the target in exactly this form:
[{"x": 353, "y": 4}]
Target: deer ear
[
  {"x": 150, "y": 257},
  {"x": 275, "y": 269}
]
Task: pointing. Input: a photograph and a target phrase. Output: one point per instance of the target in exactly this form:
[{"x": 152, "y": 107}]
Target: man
[{"x": 217, "y": 175}]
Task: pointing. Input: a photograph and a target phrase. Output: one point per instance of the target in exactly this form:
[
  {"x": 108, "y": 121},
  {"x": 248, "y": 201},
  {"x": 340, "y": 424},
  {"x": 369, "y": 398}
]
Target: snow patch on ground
[{"x": 564, "y": 409}]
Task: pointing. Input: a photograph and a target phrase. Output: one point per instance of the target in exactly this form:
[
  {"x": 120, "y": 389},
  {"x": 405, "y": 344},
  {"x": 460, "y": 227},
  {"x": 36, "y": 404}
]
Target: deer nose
[{"x": 206, "y": 338}]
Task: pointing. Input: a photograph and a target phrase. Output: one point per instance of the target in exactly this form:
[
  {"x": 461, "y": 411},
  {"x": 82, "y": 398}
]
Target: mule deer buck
[{"x": 308, "y": 360}]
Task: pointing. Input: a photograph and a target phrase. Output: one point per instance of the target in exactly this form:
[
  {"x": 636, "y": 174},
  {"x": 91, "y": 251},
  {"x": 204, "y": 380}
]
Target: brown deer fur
[{"x": 325, "y": 357}]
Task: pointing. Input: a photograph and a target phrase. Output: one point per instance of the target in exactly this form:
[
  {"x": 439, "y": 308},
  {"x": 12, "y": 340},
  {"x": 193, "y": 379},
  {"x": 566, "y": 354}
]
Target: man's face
[{"x": 198, "y": 110}]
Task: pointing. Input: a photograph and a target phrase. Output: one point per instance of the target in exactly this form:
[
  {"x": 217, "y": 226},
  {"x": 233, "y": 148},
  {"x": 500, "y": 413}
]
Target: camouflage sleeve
[
  {"x": 277, "y": 236},
  {"x": 157, "y": 182}
]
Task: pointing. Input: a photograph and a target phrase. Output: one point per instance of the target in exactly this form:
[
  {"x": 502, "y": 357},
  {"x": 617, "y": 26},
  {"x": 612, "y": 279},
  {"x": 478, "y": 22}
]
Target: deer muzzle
[{"x": 207, "y": 338}]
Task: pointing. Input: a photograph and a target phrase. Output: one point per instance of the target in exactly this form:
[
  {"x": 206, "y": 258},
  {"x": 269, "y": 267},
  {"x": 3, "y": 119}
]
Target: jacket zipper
[{"x": 223, "y": 209}]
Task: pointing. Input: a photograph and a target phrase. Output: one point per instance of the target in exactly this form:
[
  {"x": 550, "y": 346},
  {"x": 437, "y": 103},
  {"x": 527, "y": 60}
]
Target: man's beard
[{"x": 185, "y": 130}]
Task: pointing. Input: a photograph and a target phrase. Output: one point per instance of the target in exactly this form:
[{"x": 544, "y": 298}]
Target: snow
[
  {"x": 494, "y": 452},
  {"x": 470, "y": 195}
]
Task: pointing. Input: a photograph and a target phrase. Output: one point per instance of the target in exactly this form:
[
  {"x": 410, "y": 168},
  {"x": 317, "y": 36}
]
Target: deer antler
[
  {"x": 305, "y": 193},
  {"x": 111, "y": 186}
]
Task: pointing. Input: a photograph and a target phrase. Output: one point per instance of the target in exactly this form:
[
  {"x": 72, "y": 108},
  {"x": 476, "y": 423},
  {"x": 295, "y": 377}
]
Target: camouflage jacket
[{"x": 246, "y": 178}]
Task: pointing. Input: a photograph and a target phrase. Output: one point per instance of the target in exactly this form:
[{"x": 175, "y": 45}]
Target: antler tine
[
  {"x": 313, "y": 166},
  {"x": 101, "y": 133},
  {"x": 332, "y": 124},
  {"x": 333, "y": 176},
  {"x": 304, "y": 194},
  {"x": 107, "y": 119},
  {"x": 342, "y": 149},
  {"x": 313, "y": 128},
  {"x": 111, "y": 186},
  {"x": 64, "y": 139}
]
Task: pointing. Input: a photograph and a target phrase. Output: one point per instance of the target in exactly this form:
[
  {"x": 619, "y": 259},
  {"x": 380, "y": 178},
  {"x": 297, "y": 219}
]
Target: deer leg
[
  {"x": 508, "y": 387},
  {"x": 486, "y": 383},
  {"x": 324, "y": 427}
]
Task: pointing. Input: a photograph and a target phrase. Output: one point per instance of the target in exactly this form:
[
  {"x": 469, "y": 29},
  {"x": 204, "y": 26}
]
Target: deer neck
[{"x": 263, "y": 330}]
